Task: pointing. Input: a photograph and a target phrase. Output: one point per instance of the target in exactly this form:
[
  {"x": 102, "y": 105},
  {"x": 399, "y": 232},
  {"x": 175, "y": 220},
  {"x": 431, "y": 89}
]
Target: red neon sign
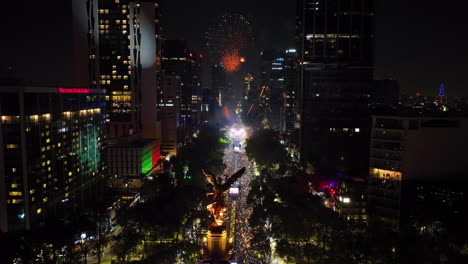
[{"x": 73, "y": 90}]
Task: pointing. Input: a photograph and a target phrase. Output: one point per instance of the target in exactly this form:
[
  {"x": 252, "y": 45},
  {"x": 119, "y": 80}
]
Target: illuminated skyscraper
[
  {"x": 441, "y": 95},
  {"x": 129, "y": 63},
  {"x": 50, "y": 152}
]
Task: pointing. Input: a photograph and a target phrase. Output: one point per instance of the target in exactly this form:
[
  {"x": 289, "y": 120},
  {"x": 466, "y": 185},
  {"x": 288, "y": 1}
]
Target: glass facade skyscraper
[
  {"x": 335, "y": 45},
  {"x": 51, "y": 143}
]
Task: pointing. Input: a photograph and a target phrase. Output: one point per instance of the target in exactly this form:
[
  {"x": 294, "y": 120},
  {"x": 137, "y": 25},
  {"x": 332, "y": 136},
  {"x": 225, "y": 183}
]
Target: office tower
[
  {"x": 179, "y": 60},
  {"x": 51, "y": 143},
  {"x": 335, "y": 40},
  {"x": 410, "y": 151},
  {"x": 129, "y": 46},
  {"x": 336, "y": 35},
  {"x": 264, "y": 101},
  {"x": 291, "y": 90},
  {"x": 277, "y": 99},
  {"x": 169, "y": 104}
]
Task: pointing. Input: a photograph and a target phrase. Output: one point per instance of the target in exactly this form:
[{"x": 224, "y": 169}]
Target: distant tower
[{"x": 441, "y": 94}]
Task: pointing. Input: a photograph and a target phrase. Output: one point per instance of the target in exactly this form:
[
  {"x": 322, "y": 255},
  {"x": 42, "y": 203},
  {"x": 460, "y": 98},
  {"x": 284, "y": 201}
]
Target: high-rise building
[
  {"x": 278, "y": 96},
  {"x": 336, "y": 35},
  {"x": 264, "y": 100},
  {"x": 409, "y": 151},
  {"x": 50, "y": 152},
  {"x": 441, "y": 95},
  {"x": 128, "y": 58},
  {"x": 291, "y": 104},
  {"x": 169, "y": 104},
  {"x": 179, "y": 60},
  {"x": 335, "y": 45}
]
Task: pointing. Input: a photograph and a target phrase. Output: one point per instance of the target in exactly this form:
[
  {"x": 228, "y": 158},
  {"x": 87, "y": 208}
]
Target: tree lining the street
[
  {"x": 168, "y": 223},
  {"x": 306, "y": 231},
  {"x": 284, "y": 210}
]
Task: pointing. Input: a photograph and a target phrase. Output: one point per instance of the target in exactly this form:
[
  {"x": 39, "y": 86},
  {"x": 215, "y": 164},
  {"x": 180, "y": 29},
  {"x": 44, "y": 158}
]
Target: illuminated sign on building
[{"x": 73, "y": 90}]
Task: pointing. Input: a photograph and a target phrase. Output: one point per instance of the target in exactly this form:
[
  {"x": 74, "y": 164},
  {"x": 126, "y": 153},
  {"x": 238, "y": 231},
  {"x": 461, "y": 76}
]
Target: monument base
[{"x": 217, "y": 242}]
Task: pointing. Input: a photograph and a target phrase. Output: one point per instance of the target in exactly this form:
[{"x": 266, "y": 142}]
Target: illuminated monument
[{"x": 216, "y": 239}]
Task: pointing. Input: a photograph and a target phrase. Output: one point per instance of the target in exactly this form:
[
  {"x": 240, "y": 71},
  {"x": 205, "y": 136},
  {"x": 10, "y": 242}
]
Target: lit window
[
  {"x": 15, "y": 194},
  {"x": 38, "y": 211}
]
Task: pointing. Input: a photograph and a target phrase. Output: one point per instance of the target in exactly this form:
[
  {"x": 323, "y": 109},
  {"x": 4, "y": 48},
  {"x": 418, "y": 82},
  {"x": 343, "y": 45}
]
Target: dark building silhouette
[
  {"x": 335, "y": 45},
  {"x": 170, "y": 117},
  {"x": 179, "y": 60},
  {"x": 291, "y": 103}
]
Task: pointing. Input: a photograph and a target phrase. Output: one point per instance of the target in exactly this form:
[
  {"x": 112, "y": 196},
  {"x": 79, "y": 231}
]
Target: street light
[{"x": 83, "y": 237}]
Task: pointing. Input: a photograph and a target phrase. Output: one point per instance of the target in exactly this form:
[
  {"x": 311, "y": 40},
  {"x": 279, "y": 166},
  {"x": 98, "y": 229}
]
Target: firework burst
[
  {"x": 226, "y": 40},
  {"x": 231, "y": 61}
]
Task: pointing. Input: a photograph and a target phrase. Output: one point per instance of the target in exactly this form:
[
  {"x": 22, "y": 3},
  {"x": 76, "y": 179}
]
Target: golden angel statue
[{"x": 220, "y": 188}]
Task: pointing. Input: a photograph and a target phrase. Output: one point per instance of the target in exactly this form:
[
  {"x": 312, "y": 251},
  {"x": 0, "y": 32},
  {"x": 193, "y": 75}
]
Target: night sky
[{"x": 419, "y": 43}]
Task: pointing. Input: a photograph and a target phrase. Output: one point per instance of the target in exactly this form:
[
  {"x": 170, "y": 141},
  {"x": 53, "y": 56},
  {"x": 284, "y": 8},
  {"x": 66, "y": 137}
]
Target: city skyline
[
  {"x": 420, "y": 51},
  {"x": 339, "y": 121}
]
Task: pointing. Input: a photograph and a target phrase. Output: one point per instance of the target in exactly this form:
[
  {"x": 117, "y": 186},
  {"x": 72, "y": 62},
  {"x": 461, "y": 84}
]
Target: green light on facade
[{"x": 146, "y": 159}]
